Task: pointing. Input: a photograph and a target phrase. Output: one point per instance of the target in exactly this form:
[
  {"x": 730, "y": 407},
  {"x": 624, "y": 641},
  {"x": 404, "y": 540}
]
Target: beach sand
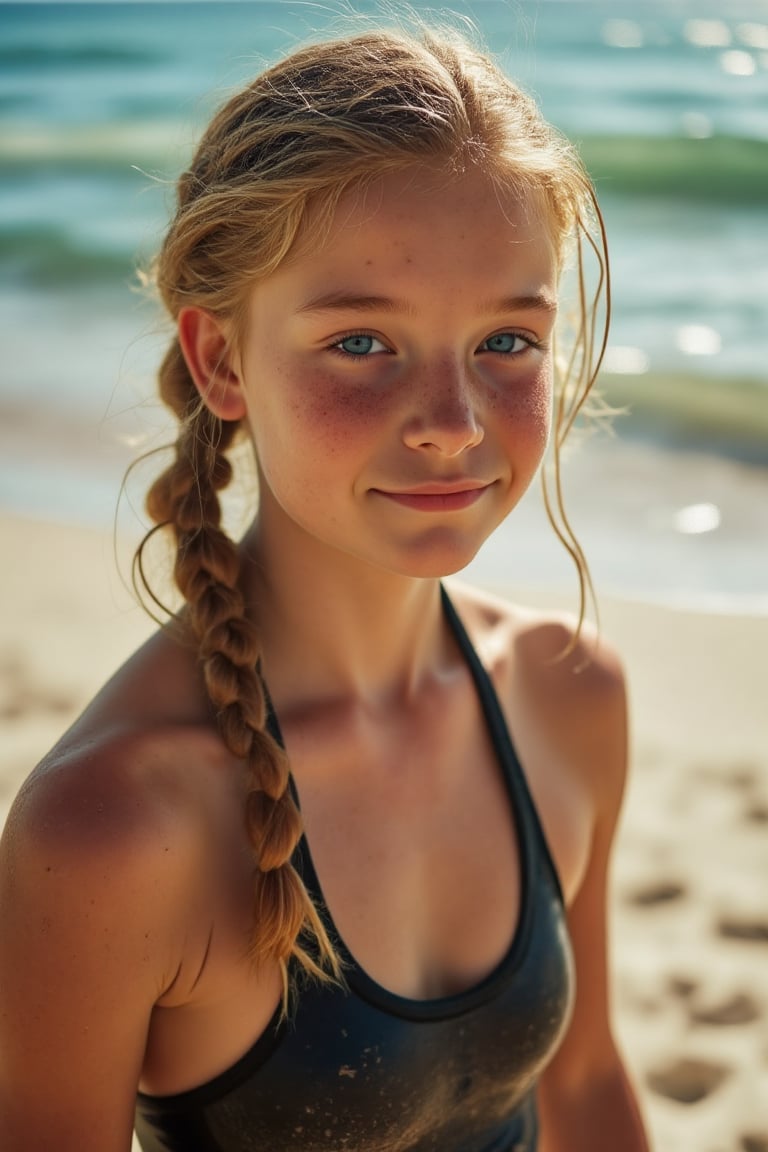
[{"x": 690, "y": 884}]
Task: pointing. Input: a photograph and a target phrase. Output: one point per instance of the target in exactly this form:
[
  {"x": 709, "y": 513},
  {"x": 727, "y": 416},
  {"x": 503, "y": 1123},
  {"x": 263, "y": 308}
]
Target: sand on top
[{"x": 690, "y": 884}]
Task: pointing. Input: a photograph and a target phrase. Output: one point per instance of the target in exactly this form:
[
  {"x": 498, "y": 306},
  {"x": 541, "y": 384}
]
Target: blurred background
[{"x": 667, "y": 100}]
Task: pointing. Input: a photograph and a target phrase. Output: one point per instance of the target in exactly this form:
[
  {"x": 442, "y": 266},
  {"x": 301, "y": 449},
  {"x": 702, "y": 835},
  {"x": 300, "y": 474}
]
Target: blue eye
[
  {"x": 505, "y": 342},
  {"x": 359, "y": 344}
]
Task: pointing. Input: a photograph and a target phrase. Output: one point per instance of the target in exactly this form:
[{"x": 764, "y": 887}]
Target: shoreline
[
  {"x": 688, "y": 412},
  {"x": 688, "y": 897}
]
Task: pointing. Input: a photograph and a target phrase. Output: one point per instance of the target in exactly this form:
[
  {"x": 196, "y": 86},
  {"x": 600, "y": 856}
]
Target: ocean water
[{"x": 100, "y": 105}]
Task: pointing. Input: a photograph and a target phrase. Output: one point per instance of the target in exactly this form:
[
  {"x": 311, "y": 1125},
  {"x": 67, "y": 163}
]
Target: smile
[{"x": 437, "y": 498}]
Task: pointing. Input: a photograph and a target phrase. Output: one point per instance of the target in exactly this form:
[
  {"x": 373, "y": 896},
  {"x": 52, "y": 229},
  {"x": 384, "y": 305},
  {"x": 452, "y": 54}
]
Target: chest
[
  {"x": 364, "y": 1067},
  {"x": 358, "y": 1068},
  {"x": 405, "y": 826},
  {"x": 415, "y": 846}
]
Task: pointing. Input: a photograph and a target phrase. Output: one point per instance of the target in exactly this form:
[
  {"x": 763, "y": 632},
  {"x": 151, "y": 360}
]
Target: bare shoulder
[
  {"x": 564, "y": 689},
  {"x": 123, "y": 803},
  {"x": 99, "y": 868},
  {"x": 103, "y": 791},
  {"x": 104, "y": 844},
  {"x": 545, "y": 642}
]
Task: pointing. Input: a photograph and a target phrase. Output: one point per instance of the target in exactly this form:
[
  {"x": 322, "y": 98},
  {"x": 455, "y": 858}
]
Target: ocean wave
[
  {"x": 55, "y": 56},
  {"x": 720, "y": 169},
  {"x": 728, "y": 416},
  {"x": 154, "y": 145},
  {"x": 49, "y": 256}
]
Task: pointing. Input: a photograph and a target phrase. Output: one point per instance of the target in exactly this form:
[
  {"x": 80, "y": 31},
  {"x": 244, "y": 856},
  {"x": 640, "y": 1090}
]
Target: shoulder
[
  {"x": 546, "y": 648},
  {"x": 564, "y": 695},
  {"x": 106, "y": 908},
  {"x": 103, "y": 849},
  {"x": 105, "y": 790},
  {"x": 571, "y": 677}
]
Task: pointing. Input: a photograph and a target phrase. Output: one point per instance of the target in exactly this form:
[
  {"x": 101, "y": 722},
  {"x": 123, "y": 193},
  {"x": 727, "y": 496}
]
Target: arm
[
  {"x": 86, "y": 880},
  {"x": 586, "y": 1102}
]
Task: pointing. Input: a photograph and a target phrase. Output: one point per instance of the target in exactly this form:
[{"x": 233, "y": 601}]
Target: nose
[{"x": 445, "y": 415}]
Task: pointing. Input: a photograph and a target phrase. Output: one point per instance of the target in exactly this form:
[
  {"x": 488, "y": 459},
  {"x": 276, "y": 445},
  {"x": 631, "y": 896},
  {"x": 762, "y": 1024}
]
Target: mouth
[{"x": 449, "y": 497}]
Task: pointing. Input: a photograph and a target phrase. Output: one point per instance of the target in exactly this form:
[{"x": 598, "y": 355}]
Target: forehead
[{"x": 429, "y": 220}]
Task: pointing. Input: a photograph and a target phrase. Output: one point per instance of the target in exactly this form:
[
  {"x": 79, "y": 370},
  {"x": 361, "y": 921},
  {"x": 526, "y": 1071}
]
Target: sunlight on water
[
  {"x": 738, "y": 63},
  {"x": 698, "y": 340},
  {"x": 624, "y": 360},
  {"x": 707, "y": 33},
  {"x": 698, "y": 518},
  {"x": 753, "y": 35},
  {"x": 622, "y": 34}
]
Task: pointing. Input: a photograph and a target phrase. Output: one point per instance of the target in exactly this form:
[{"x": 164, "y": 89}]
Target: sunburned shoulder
[
  {"x": 562, "y": 686},
  {"x": 119, "y": 806},
  {"x": 105, "y": 876},
  {"x": 545, "y": 644}
]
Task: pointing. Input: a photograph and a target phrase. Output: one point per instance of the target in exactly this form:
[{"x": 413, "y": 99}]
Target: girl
[{"x": 323, "y": 866}]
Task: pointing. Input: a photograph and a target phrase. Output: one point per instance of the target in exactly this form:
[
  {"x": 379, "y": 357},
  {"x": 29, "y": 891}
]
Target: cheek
[
  {"x": 294, "y": 405},
  {"x": 526, "y": 407},
  {"x": 334, "y": 414}
]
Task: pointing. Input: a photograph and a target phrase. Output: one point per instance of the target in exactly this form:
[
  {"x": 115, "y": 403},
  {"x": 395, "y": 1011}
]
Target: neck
[{"x": 333, "y": 625}]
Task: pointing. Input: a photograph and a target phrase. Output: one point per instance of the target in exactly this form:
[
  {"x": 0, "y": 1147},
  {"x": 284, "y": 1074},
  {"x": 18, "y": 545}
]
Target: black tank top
[{"x": 363, "y": 1070}]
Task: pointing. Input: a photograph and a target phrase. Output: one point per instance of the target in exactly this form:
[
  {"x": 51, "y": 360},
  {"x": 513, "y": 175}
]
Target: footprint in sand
[
  {"x": 740, "y": 1008},
  {"x": 687, "y": 1080},
  {"x": 753, "y": 929},
  {"x": 754, "y": 1142},
  {"x": 20, "y": 696},
  {"x": 742, "y": 777},
  {"x": 682, "y": 987},
  {"x": 655, "y": 893}
]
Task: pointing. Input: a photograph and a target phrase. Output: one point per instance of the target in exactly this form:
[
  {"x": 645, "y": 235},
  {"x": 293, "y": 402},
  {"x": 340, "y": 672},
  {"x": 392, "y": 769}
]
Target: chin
[{"x": 435, "y": 560}]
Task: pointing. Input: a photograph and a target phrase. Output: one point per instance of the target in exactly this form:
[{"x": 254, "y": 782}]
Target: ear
[{"x": 210, "y": 360}]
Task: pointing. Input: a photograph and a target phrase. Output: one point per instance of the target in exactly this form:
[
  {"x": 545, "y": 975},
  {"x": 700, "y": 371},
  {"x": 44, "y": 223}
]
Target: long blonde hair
[{"x": 329, "y": 117}]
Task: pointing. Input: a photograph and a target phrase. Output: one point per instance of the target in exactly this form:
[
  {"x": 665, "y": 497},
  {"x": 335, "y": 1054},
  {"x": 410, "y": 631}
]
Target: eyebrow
[{"x": 352, "y": 302}]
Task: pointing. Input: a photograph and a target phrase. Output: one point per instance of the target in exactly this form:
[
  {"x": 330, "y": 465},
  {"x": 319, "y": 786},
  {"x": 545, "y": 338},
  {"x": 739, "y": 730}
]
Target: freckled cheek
[
  {"x": 526, "y": 407},
  {"x": 336, "y": 414}
]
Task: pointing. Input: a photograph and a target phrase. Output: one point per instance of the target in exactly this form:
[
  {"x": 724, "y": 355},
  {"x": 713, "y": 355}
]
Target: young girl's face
[{"x": 397, "y": 379}]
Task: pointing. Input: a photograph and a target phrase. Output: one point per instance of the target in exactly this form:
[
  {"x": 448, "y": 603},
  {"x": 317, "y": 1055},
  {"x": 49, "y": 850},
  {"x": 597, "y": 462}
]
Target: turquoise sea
[{"x": 100, "y": 104}]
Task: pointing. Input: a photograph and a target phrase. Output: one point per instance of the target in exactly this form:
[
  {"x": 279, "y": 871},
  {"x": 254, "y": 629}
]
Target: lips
[{"x": 447, "y": 497}]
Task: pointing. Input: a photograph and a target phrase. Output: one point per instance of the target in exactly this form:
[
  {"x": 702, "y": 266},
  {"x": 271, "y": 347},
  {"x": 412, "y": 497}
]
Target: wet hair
[{"x": 331, "y": 117}]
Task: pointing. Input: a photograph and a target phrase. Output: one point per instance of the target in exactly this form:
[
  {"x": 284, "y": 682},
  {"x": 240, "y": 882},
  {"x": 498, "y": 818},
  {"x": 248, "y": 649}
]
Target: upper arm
[
  {"x": 587, "y": 1059},
  {"x": 599, "y": 739},
  {"x": 86, "y": 879}
]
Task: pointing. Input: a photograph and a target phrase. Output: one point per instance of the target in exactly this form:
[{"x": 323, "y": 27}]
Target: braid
[{"x": 185, "y": 499}]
